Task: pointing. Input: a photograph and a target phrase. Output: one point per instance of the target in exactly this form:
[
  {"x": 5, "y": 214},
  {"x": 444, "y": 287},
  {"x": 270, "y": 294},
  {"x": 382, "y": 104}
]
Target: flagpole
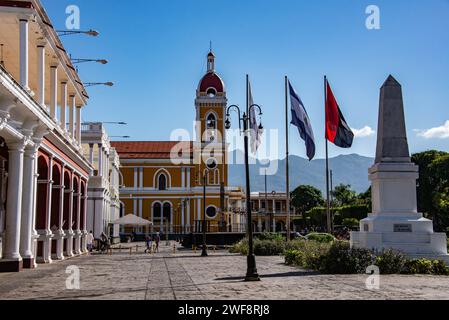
[
  {"x": 329, "y": 228},
  {"x": 287, "y": 173}
]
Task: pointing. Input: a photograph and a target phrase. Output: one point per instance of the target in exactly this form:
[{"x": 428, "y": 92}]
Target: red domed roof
[{"x": 211, "y": 80}]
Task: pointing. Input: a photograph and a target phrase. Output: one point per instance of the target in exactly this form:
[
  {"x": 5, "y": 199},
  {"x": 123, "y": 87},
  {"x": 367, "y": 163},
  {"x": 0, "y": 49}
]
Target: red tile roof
[{"x": 151, "y": 149}]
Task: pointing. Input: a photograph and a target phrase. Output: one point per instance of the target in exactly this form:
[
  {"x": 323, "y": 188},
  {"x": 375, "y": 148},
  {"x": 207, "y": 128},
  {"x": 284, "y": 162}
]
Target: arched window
[
  {"x": 167, "y": 211},
  {"x": 211, "y": 122},
  {"x": 211, "y": 127},
  {"x": 216, "y": 176},
  {"x": 162, "y": 182},
  {"x": 211, "y": 92},
  {"x": 157, "y": 210}
]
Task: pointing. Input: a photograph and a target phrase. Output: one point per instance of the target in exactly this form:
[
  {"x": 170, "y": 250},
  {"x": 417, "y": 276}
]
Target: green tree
[
  {"x": 364, "y": 198},
  {"x": 433, "y": 186},
  {"x": 305, "y": 198},
  {"x": 343, "y": 195}
]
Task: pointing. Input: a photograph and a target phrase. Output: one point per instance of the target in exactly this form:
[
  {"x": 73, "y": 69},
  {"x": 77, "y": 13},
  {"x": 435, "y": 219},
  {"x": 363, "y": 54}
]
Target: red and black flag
[{"x": 337, "y": 130}]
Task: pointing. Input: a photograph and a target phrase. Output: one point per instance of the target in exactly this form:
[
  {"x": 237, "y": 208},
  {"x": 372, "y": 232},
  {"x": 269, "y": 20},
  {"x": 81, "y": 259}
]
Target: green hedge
[
  {"x": 358, "y": 212},
  {"x": 321, "y": 237},
  {"x": 350, "y": 222},
  {"x": 339, "y": 258},
  {"x": 318, "y": 215}
]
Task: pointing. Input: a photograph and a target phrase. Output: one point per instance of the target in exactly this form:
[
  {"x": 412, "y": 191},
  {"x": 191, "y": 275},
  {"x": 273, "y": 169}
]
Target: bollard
[
  {"x": 130, "y": 251},
  {"x": 137, "y": 249},
  {"x": 174, "y": 248},
  {"x": 120, "y": 248}
]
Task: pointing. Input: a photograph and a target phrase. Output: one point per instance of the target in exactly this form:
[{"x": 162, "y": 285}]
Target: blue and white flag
[{"x": 301, "y": 120}]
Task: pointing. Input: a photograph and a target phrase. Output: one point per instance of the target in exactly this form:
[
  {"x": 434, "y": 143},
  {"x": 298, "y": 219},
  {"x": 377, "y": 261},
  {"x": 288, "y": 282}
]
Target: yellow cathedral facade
[{"x": 163, "y": 181}]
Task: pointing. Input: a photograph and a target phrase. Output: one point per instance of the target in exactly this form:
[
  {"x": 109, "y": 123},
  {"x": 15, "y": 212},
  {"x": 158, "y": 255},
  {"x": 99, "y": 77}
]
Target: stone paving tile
[{"x": 185, "y": 276}]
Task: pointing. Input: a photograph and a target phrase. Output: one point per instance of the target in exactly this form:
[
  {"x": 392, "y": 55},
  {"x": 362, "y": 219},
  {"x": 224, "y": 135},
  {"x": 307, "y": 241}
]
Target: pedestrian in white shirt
[{"x": 90, "y": 241}]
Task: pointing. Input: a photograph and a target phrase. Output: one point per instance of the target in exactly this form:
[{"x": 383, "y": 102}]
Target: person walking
[
  {"x": 157, "y": 240},
  {"x": 90, "y": 241},
  {"x": 149, "y": 243}
]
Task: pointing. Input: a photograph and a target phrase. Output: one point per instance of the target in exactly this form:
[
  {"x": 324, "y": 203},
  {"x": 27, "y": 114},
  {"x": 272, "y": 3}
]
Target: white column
[
  {"x": 171, "y": 219},
  {"x": 140, "y": 177},
  {"x": 11, "y": 247},
  {"x": 53, "y": 91},
  {"x": 63, "y": 109},
  {"x": 188, "y": 216},
  {"x": 24, "y": 54},
  {"x": 84, "y": 226},
  {"x": 41, "y": 75},
  {"x": 188, "y": 178},
  {"x": 60, "y": 233},
  {"x": 183, "y": 229},
  {"x": 46, "y": 235},
  {"x": 78, "y": 124},
  {"x": 91, "y": 153},
  {"x": 28, "y": 209},
  {"x": 100, "y": 160},
  {"x": 136, "y": 180},
  {"x": 77, "y": 248},
  {"x": 69, "y": 232},
  {"x": 72, "y": 106}
]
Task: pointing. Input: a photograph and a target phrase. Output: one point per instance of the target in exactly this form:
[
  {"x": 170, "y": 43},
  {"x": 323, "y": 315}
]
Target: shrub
[
  {"x": 418, "y": 266},
  {"x": 358, "y": 212},
  {"x": 317, "y": 216},
  {"x": 390, "y": 261},
  {"x": 293, "y": 257},
  {"x": 268, "y": 247},
  {"x": 271, "y": 236},
  {"x": 340, "y": 259},
  {"x": 440, "y": 268},
  {"x": 321, "y": 237},
  {"x": 240, "y": 247},
  {"x": 350, "y": 222}
]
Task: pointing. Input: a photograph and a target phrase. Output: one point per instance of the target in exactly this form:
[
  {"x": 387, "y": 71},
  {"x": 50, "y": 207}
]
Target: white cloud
[
  {"x": 364, "y": 132},
  {"x": 441, "y": 132}
]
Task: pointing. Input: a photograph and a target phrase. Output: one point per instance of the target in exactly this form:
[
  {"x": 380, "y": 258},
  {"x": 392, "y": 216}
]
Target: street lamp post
[
  {"x": 251, "y": 274},
  {"x": 204, "y": 249},
  {"x": 78, "y": 61},
  {"x": 92, "y": 84},
  {"x": 91, "y": 32}
]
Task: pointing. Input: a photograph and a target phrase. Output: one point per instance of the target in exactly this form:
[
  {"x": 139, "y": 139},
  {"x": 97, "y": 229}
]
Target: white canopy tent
[{"x": 131, "y": 220}]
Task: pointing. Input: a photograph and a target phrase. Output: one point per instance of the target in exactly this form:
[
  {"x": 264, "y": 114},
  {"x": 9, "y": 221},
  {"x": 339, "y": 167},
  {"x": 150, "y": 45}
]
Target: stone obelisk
[{"x": 395, "y": 222}]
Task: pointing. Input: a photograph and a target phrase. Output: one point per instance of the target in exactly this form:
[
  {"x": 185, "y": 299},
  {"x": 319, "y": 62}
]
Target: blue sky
[{"x": 157, "y": 53}]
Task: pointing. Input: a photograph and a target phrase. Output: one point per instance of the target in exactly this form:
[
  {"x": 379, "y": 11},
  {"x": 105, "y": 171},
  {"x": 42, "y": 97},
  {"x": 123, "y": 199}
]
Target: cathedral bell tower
[{"x": 210, "y": 145}]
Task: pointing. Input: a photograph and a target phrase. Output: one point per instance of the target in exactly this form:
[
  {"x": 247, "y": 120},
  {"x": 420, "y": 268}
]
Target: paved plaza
[{"x": 185, "y": 275}]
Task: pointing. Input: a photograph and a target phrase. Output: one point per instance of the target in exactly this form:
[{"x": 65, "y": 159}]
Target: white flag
[{"x": 255, "y": 132}]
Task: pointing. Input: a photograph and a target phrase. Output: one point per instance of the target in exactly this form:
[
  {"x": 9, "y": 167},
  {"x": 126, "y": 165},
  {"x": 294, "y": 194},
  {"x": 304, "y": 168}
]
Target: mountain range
[{"x": 347, "y": 169}]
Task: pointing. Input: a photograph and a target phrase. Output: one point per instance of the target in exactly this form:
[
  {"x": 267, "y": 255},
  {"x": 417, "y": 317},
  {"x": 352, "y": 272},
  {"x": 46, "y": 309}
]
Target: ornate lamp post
[
  {"x": 251, "y": 274},
  {"x": 210, "y": 165}
]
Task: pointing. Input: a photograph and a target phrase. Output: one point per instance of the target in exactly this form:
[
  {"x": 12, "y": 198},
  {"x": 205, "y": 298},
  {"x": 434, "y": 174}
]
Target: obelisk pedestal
[{"x": 395, "y": 222}]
